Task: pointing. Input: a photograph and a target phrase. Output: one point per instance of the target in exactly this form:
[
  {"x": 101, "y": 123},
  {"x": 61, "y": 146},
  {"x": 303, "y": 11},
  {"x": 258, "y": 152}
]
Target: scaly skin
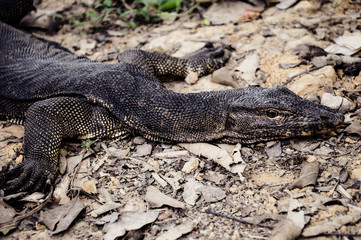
[{"x": 59, "y": 95}]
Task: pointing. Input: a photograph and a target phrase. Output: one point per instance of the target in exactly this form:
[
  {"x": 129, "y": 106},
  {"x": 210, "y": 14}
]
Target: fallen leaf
[
  {"x": 171, "y": 154},
  {"x": 7, "y": 214},
  {"x": 333, "y": 225},
  {"x": 304, "y": 146},
  {"x": 110, "y": 218},
  {"x": 59, "y": 218},
  {"x": 34, "y": 197},
  {"x": 191, "y": 191},
  {"x": 88, "y": 186},
  {"x": 177, "y": 231},
  {"x": 247, "y": 69},
  {"x": 105, "y": 208},
  {"x": 274, "y": 150},
  {"x": 210, "y": 151},
  {"x": 128, "y": 221},
  {"x": 308, "y": 175},
  {"x": 193, "y": 188},
  {"x": 157, "y": 199},
  {"x": 212, "y": 194},
  {"x": 324, "y": 150},
  {"x": 345, "y": 45},
  {"x": 354, "y": 128},
  {"x": 14, "y": 130},
  {"x": 286, "y": 230},
  {"x": 135, "y": 204},
  {"x": 191, "y": 165},
  {"x": 222, "y": 76},
  {"x": 159, "y": 179}
]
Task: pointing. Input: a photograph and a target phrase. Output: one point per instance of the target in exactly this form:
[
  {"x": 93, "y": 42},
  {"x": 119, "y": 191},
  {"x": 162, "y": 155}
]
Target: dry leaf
[
  {"x": 88, "y": 186},
  {"x": 247, "y": 69},
  {"x": 286, "y": 230},
  {"x": 308, "y": 175},
  {"x": 157, "y": 199},
  {"x": 178, "y": 231},
  {"x": 7, "y": 214},
  {"x": 128, "y": 221},
  {"x": 34, "y": 197},
  {"x": 210, "y": 151},
  {"x": 354, "y": 127},
  {"x": 105, "y": 208},
  {"x": 191, "y": 191},
  {"x": 334, "y": 224},
  {"x": 212, "y": 194},
  {"x": 60, "y": 217},
  {"x": 274, "y": 150},
  {"x": 14, "y": 130},
  {"x": 191, "y": 165}
]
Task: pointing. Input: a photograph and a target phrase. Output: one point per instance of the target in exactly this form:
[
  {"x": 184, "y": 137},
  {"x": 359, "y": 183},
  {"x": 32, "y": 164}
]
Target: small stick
[
  {"x": 311, "y": 69},
  {"x": 237, "y": 219}
]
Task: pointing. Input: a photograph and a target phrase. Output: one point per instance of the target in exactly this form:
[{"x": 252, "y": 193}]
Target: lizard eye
[{"x": 272, "y": 113}]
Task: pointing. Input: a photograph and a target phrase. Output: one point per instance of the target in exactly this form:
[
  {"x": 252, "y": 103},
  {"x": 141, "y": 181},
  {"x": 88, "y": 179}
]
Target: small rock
[
  {"x": 336, "y": 102},
  {"x": 191, "y": 165},
  {"x": 138, "y": 140},
  {"x": 144, "y": 150}
]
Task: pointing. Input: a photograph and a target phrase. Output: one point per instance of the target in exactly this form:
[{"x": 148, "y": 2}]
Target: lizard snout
[{"x": 333, "y": 119}]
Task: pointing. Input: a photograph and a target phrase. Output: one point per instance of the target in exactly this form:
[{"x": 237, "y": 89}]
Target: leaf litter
[{"x": 264, "y": 182}]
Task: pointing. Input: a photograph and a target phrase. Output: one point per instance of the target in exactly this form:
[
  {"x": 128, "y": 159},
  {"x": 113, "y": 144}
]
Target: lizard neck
[{"x": 176, "y": 117}]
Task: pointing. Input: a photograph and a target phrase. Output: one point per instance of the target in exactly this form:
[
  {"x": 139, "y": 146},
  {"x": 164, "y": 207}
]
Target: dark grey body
[{"x": 60, "y": 95}]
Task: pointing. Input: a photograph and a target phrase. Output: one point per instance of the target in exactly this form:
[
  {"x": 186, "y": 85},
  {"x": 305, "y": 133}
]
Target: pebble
[
  {"x": 144, "y": 150},
  {"x": 138, "y": 140},
  {"x": 336, "y": 102}
]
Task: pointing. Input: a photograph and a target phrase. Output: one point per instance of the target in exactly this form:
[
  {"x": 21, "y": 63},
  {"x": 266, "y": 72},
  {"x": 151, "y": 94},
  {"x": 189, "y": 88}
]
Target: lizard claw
[{"x": 27, "y": 176}]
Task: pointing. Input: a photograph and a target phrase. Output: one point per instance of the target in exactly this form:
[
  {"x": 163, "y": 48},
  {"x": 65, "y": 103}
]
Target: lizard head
[{"x": 262, "y": 114}]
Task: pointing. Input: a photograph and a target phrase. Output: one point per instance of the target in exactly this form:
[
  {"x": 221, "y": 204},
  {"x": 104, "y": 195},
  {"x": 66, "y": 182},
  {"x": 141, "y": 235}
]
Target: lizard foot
[
  {"x": 207, "y": 59},
  {"x": 28, "y": 176}
]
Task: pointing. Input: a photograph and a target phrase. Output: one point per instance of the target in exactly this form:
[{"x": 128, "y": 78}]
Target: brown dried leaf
[
  {"x": 210, "y": 151},
  {"x": 308, "y": 175},
  {"x": 88, "y": 186},
  {"x": 128, "y": 221},
  {"x": 157, "y": 199},
  {"x": 354, "y": 127},
  {"x": 331, "y": 226},
  {"x": 7, "y": 214},
  {"x": 286, "y": 230},
  {"x": 274, "y": 150},
  {"x": 178, "y": 231},
  {"x": 14, "y": 130},
  {"x": 60, "y": 217}
]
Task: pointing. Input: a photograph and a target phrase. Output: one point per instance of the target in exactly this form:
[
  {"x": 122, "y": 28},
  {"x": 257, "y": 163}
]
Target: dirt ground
[{"x": 133, "y": 188}]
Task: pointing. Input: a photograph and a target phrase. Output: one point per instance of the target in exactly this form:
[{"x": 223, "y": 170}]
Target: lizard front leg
[
  {"x": 47, "y": 122},
  {"x": 201, "y": 62}
]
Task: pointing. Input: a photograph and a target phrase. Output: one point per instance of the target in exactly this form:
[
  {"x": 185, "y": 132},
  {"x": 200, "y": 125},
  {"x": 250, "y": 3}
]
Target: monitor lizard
[{"x": 58, "y": 95}]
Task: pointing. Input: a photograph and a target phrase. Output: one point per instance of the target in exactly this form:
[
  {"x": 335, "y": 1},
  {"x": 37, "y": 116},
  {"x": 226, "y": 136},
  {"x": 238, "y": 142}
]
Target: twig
[
  {"x": 311, "y": 69},
  {"x": 238, "y": 219}
]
